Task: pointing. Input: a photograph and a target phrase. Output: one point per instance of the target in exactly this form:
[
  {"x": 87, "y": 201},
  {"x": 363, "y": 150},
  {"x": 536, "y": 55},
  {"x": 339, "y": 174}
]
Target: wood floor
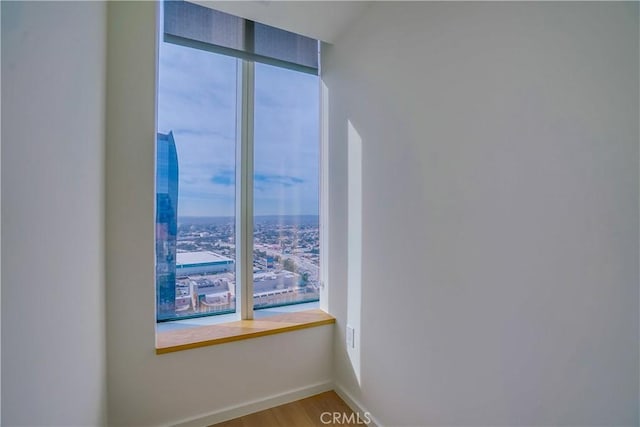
[{"x": 320, "y": 410}]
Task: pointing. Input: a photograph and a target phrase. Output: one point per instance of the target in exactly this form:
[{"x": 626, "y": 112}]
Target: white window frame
[{"x": 244, "y": 189}]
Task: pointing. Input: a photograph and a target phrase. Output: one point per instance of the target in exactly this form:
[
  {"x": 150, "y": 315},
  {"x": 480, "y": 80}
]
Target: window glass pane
[
  {"x": 286, "y": 195},
  {"x": 195, "y": 183}
]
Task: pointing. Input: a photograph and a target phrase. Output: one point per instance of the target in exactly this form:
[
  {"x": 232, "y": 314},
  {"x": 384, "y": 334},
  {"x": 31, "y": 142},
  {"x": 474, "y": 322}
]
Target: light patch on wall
[{"x": 354, "y": 245}]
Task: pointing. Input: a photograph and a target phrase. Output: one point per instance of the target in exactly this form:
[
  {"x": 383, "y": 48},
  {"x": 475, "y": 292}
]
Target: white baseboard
[
  {"x": 355, "y": 405},
  {"x": 247, "y": 408}
]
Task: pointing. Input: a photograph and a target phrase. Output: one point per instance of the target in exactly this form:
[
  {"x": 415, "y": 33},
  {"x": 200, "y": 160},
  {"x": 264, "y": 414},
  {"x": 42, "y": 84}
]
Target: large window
[{"x": 237, "y": 166}]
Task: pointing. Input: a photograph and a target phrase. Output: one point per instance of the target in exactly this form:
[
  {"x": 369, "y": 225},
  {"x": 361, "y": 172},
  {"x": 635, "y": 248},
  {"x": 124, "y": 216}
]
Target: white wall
[
  {"x": 53, "y": 328},
  {"x": 144, "y": 388},
  {"x": 499, "y": 273}
]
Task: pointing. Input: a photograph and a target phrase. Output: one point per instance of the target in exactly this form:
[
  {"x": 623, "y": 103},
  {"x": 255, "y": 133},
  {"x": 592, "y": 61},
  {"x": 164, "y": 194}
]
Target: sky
[{"x": 197, "y": 102}]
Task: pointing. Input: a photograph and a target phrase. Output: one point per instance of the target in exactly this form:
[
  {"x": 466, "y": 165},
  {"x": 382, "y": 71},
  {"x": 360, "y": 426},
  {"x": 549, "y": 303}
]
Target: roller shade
[{"x": 203, "y": 28}]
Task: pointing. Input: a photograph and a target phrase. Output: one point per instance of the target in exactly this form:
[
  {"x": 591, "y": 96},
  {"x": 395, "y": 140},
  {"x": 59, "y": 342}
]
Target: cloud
[
  {"x": 224, "y": 177},
  {"x": 227, "y": 179},
  {"x": 197, "y": 101},
  {"x": 284, "y": 180}
]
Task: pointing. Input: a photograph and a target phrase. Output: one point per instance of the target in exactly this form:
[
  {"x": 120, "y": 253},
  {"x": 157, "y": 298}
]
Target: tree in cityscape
[{"x": 289, "y": 265}]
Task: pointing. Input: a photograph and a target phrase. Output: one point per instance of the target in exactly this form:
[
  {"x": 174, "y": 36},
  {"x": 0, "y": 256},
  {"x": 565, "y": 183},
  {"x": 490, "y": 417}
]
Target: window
[{"x": 237, "y": 166}]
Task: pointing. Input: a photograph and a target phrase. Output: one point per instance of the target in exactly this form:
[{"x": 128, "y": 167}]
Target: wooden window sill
[{"x": 202, "y": 336}]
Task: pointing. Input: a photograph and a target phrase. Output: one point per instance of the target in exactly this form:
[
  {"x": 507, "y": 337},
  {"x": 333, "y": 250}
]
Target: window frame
[{"x": 244, "y": 188}]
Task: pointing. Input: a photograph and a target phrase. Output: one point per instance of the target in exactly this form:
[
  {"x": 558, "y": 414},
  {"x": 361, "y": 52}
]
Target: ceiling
[{"x": 323, "y": 20}]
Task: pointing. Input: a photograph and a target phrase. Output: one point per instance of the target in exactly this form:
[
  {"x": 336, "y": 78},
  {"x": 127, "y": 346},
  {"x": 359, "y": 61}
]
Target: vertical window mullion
[{"x": 244, "y": 192}]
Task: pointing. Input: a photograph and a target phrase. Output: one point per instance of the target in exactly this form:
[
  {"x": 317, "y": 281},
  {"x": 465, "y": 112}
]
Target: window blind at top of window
[{"x": 203, "y": 28}]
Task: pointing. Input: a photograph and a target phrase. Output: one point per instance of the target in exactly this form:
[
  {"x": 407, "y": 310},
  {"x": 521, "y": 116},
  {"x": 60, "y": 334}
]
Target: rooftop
[{"x": 205, "y": 257}]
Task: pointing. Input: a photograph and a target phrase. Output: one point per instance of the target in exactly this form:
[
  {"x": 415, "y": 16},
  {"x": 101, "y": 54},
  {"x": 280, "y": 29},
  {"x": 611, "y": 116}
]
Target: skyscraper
[{"x": 166, "y": 224}]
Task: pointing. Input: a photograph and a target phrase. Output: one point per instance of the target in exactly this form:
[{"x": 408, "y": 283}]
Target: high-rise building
[{"x": 166, "y": 225}]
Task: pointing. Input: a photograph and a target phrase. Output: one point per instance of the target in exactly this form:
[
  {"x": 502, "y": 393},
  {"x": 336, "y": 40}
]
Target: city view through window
[{"x": 196, "y": 185}]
